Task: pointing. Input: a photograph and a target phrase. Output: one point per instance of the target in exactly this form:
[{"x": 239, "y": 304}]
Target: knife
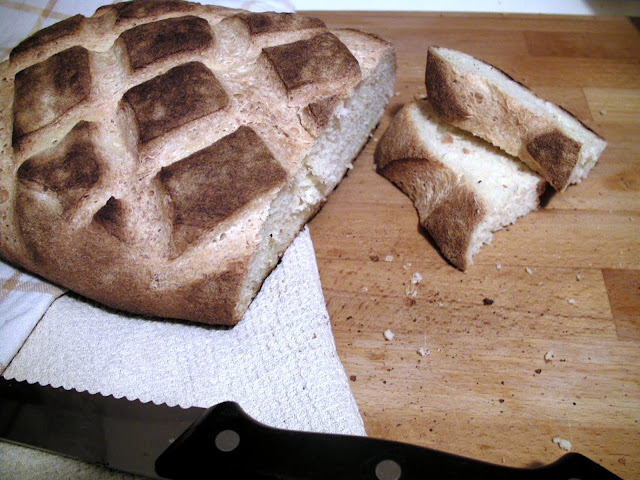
[{"x": 223, "y": 442}]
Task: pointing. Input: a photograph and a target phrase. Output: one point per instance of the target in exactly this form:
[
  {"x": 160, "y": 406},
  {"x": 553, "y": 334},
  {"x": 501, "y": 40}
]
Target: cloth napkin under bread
[{"x": 279, "y": 363}]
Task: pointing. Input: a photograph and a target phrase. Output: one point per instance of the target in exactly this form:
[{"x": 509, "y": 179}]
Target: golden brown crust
[
  {"x": 112, "y": 217},
  {"x": 490, "y": 109},
  {"x": 447, "y": 206},
  {"x": 67, "y": 170},
  {"x": 143, "y": 9},
  {"x": 322, "y": 62},
  {"x": 45, "y": 91},
  {"x": 547, "y": 148},
  {"x": 442, "y": 95},
  {"x": 154, "y": 41},
  {"x": 143, "y": 149},
  {"x": 64, "y": 28},
  {"x": 183, "y": 94},
  {"x": 270, "y": 22},
  {"x": 211, "y": 185},
  {"x": 315, "y": 116}
]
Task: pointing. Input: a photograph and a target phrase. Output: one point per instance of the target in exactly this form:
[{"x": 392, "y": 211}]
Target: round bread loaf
[{"x": 160, "y": 156}]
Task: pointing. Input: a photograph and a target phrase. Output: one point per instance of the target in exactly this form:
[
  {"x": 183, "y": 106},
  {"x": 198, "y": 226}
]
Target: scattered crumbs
[
  {"x": 578, "y": 277},
  {"x": 353, "y": 378},
  {"x": 572, "y": 301},
  {"x": 396, "y": 94},
  {"x": 364, "y": 289},
  {"x": 424, "y": 352},
  {"x": 388, "y": 334},
  {"x": 528, "y": 270},
  {"x": 538, "y": 371},
  {"x": 416, "y": 278},
  {"x": 562, "y": 443},
  {"x": 388, "y": 258},
  {"x": 440, "y": 304},
  {"x": 374, "y": 258},
  {"x": 603, "y": 112},
  {"x": 548, "y": 356},
  {"x": 487, "y": 301},
  {"x": 501, "y": 400},
  {"x": 447, "y": 138},
  {"x": 499, "y": 266}
]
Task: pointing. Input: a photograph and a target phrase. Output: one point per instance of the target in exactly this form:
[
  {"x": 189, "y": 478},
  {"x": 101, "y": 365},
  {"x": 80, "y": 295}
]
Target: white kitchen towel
[
  {"x": 23, "y": 300},
  {"x": 279, "y": 363}
]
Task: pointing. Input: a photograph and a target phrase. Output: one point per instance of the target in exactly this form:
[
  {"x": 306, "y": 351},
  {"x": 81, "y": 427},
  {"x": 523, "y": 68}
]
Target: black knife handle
[{"x": 226, "y": 443}]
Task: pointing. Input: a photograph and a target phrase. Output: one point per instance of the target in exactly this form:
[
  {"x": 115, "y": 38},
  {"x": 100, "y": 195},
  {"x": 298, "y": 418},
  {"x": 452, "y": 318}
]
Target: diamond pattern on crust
[
  {"x": 67, "y": 170},
  {"x": 183, "y": 94},
  {"x": 154, "y": 41},
  {"x": 46, "y": 90},
  {"x": 211, "y": 185}
]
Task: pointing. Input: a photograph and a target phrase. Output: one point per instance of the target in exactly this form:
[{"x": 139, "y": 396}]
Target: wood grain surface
[{"x": 564, "y": 279}]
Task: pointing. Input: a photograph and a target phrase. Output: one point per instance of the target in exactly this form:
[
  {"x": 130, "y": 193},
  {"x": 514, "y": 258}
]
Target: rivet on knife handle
[{"x": 226, "y": 443}]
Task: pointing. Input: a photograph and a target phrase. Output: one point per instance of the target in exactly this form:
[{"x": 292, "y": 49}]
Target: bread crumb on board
[
  {"x": 416, "y": 278},
  {"x": 388, "y": 334},
  {"x": 548, "y": 356},
  {"x": 528, "y": 270},
  {"x": 572, "y": 301},
  {"x": 388, "y": 258},
  {"x": 562, "y": 443},
  {"x": 424, "y": 352}
]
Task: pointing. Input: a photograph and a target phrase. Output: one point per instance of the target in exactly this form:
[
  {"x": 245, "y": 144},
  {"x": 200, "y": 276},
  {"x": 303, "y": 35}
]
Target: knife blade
[{"x": 224, "y": 442}]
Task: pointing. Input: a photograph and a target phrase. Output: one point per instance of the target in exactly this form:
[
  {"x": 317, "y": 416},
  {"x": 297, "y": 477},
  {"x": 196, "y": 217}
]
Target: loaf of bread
[
  {"x": 160, "y": 156},
  {"x": 480, "y": 98},
  {"x": 463, "y": 188}
]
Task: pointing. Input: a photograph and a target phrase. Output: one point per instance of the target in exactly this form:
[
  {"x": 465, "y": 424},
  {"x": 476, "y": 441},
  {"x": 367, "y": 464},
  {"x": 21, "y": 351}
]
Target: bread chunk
[
  {"x": 159, "y": 156},
  {"x": 478, "y": 97},
  {"x": 463, "y": 188}
]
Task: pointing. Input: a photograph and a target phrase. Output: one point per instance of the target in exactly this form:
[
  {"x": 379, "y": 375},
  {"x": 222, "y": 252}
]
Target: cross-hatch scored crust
[
  {"x": 157, "y": 134},
  {"x": 63, "y": 87}
]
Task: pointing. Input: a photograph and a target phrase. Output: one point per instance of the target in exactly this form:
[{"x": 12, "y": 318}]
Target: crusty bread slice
[
  {"x": 463, "y": 188},
  {"x": 482, "y": 99},
  {"x": 160, "y": 156}
]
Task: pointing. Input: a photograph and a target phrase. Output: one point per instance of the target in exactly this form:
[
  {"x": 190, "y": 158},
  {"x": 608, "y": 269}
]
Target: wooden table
[{"x": 483, "y": 388}]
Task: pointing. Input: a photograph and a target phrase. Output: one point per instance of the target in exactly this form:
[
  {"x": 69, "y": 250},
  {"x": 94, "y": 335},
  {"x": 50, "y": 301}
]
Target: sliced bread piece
[
  {"x": 482, "y": 99},
  {"x": 463, "y": 188}
]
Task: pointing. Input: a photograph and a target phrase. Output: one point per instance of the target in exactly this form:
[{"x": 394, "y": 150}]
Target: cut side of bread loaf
[
  {"x": 463, "y": 188},
  {"x": 160, "y": 156},
  {"x": 480, "y": 98}
]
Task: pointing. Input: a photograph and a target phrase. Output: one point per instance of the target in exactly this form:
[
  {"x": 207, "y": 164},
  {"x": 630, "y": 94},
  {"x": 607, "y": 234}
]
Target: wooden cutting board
[{"x": 564, "y": 279}]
